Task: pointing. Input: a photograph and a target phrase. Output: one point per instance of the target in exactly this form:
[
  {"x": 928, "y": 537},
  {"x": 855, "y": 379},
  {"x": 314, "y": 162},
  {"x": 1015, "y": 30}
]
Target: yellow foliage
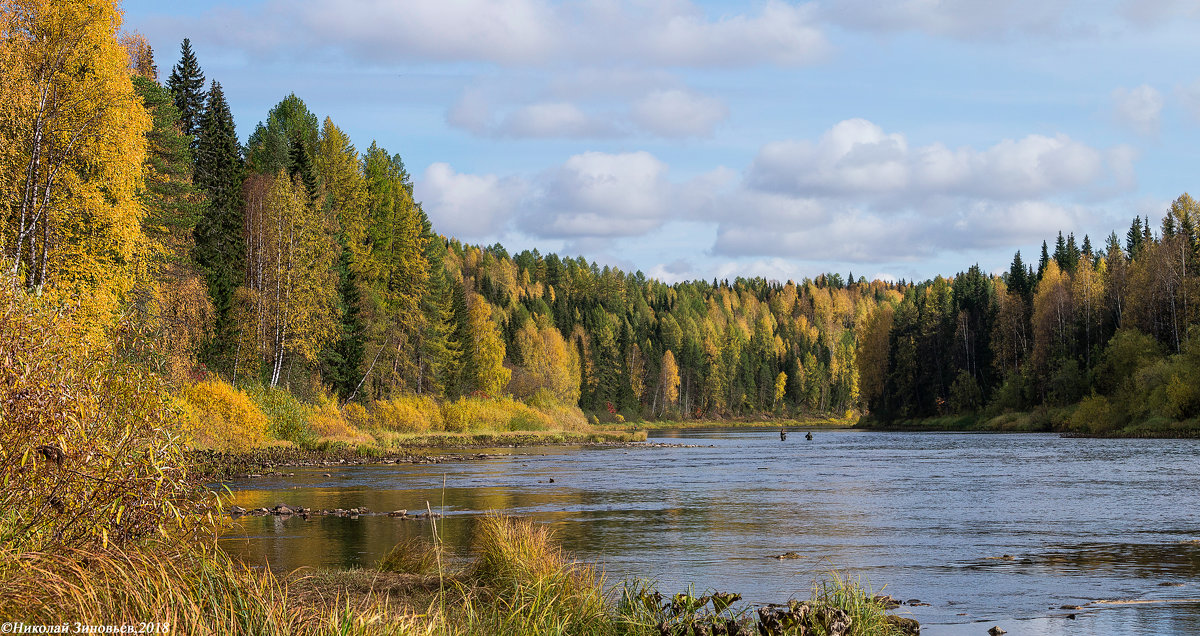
[
  {"x": 220, "y": 417},
  {"x": 407, "y": 414},
  {"x": 356, "y": 414},
  {"x": 504, "y": 414}
]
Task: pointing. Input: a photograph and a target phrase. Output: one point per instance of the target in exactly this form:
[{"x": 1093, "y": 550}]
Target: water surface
[{"x": 928, "y": 515}]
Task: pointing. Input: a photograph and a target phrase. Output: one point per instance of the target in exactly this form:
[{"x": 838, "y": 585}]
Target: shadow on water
[{"x": 932, "y": 516}]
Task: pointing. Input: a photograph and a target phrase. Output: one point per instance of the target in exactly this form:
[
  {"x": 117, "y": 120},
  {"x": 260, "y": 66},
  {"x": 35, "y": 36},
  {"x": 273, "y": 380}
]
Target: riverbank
[
  {"x": 211, "y": 465},
  {"x": 791, "y": 424},
  {"x": 1072, "y": 421}
]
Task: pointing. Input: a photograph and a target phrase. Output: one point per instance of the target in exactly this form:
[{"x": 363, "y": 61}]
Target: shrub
[
  {"x": 329, "y": 423},
  {"x": 501, "y": 414},
  {"x": 1094, "y": 415},
  {"x": 288, "y": 419},
  {"x": 407, "y": 414},
  {"x": 356, "y": 415},
  {"x": 222, "y": 418},
  {"x": 89, "y": 447}
]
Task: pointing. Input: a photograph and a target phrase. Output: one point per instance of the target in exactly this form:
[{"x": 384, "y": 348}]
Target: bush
[
  {"x": 1095, "y": 415},
  {"x": 89, "y": 447},
  {"x": 222, "y": 418},
  {"x": 329, "y": 423},
  {"x": 287, "y": 418},
  {"x": 407, "y": 414},
  {"x": 501, "y": 414}
]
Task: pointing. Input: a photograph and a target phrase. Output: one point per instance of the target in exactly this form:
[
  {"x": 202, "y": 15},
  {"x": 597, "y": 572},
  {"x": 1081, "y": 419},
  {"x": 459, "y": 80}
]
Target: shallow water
[{"x": 924, "y": 514}]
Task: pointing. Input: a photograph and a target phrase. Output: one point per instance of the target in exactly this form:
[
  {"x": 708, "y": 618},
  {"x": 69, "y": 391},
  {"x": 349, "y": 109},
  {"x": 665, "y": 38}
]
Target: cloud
[
  {"x": 468, "y": 206},
  {"x": 667, "y": 113},
  {"x": 857, "y": 159},
  {"x": 1148, "y": 12},
  {"x": 856, "y": 194},
  {"x": 961, "y": 19},
  {"x": 677, "y": 33},
  {"x": 1139, "y": 108},
  {"x": 678, "y": 113},
  {"x": 598, "y": 194}
]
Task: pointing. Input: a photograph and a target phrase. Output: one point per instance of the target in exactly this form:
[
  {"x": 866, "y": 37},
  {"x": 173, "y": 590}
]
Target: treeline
[{"x": 1107, "y": 328}]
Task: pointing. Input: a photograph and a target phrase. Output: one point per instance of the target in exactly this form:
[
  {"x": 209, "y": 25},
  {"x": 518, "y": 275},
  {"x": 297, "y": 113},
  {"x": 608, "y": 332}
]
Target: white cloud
[
  {"x": 678, "y": 113},
  {"x": 857, "y": 159},
  {"x": 468, "y": 206},
  {"x": 554, "y": 119},
  {"x": 782, "y": 34},
  {"x": 668, "y": 113},
  {"x": 1147, "y": 12},
  {"x": 857, "y": 194},
  {"x": 1139, "y": 108},
  {"x": 955, "y": 18},
  {"x": 522, "y": 32},
  {"x": 601, "y": 195}
]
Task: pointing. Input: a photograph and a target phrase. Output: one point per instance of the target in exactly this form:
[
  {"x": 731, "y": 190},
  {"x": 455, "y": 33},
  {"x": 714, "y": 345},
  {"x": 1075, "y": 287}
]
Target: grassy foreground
[{"x": 518, "y": 581}]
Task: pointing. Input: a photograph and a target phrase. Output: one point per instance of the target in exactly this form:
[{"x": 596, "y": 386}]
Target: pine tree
[
  {"x": 218, "y": 234},
  {"x": 187, "y": 85},
  {"x": 1043, "y": 261}
]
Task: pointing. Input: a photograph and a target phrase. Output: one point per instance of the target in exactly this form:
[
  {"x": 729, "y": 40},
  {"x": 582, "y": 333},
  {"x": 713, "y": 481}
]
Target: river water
[{"x": 928, "y": 516}]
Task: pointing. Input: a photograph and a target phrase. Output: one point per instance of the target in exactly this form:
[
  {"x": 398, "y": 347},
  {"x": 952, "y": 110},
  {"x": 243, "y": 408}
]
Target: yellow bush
[
  {"x": 328, "y": 422},
  {"x": 407, "y": 414},
  {"x": 502, "y": 414},
  {"x": 220, "y": 417},
  {"x": 356, "y": 415}
]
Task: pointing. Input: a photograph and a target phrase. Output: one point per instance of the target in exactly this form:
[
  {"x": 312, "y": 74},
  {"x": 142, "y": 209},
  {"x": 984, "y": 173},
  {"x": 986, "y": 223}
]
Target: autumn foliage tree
[{"x": 73, "y": 138}]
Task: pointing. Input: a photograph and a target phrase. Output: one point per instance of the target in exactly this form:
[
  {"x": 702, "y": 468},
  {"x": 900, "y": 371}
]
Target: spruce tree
[
  {"x": 1133, "y": 238},
  {"x": 219, "y": 246},
  {"x": 187, "y": 85},
  {"x": 342, "y": 363},
  {"x": 1043, "y": 261}
]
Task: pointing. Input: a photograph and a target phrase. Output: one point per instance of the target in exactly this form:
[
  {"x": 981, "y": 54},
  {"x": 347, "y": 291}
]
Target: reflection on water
[{"x": 927, "y": 514}]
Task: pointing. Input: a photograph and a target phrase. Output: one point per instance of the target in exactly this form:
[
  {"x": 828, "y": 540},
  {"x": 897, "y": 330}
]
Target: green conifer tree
[
  {"x": 187, "y": 85},
  {"x": 218, "y": 234}
]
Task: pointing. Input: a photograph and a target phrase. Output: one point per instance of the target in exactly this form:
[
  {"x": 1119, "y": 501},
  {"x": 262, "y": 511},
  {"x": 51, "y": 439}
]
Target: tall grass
[{"x": 525, "y": 584}]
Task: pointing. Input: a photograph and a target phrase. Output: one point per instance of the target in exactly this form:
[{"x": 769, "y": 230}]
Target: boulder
[{"x": 996, "y": 631}]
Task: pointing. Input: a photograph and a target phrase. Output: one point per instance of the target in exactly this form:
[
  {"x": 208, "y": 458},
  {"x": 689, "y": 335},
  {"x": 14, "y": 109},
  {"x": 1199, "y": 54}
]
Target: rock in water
[
  {"x": 996, "y": 631},
  {"x": 904, "y": 625}
]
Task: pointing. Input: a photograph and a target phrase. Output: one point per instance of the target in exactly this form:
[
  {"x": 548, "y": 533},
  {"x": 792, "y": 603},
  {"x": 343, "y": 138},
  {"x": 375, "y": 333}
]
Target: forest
[{"x": 294, "y": 280}]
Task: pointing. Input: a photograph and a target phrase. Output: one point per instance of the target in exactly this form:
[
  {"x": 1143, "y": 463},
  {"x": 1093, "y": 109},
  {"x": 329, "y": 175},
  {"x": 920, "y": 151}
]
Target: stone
[
  {"x": 887, "y": 601},
  {"x": 996, "y": 631},
  {"x": 237, "y": 510},
  {"x": 904, "y": 625},
  {"x": 1070, "y": 607},
  {"x": 398, "y": 513},
  {"x": 790, "y": 555}
]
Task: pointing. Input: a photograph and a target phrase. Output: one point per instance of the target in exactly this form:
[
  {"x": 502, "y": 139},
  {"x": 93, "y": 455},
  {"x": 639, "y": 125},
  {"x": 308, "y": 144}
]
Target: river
[{"x": 928, "y": 516}]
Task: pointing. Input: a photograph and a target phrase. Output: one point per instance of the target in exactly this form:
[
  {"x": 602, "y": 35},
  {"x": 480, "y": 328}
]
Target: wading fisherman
[
  {"x": 782, "y": 434},
  {"x": 808, "y": 436}
]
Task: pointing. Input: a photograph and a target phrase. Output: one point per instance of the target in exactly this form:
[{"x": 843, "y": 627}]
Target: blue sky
[{"x": 688, "y": 139}]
